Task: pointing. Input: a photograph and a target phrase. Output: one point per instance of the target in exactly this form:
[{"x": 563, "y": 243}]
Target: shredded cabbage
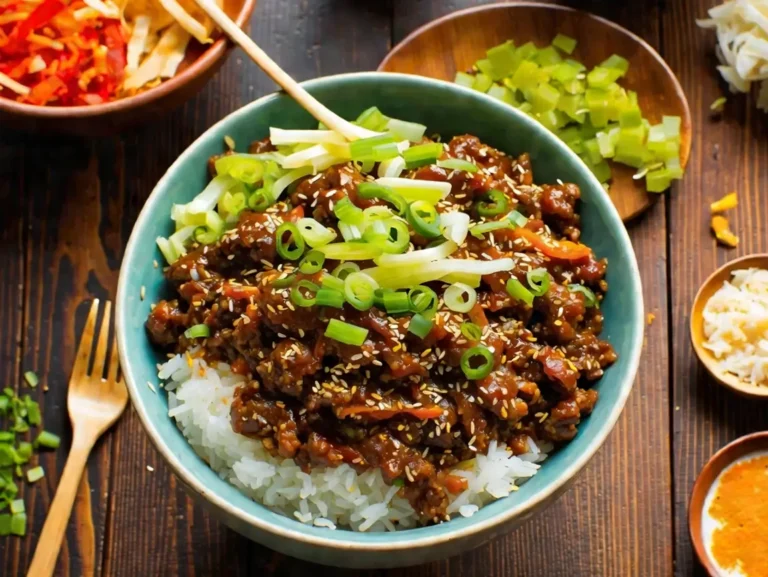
[
  {"x": 742, "y": 45},
  {"x": 163, "y": 60}
]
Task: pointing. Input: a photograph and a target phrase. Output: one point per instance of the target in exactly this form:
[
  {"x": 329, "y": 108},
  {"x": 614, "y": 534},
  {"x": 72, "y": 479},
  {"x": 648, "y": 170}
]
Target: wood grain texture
[{"x": 728, "y": 154}]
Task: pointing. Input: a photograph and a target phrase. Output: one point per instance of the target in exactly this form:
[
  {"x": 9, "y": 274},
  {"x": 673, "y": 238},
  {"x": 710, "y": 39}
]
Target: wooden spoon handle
[
  {"x": 304, "y": 98},
  {"x": 49, "y": 543}
]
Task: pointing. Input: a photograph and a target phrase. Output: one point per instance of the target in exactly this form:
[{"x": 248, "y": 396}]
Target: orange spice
[{"x": 741, "y": 507}]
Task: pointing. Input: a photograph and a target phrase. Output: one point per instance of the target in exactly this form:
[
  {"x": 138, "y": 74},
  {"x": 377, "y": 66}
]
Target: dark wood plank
[
  {"x": 12, "y": 233},
  {"x": 728, "y": 154}
]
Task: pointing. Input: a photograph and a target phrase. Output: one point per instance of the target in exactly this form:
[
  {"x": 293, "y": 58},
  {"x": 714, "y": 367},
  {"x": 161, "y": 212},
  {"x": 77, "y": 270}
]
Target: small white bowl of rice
[{"x": 729, "y": 325}]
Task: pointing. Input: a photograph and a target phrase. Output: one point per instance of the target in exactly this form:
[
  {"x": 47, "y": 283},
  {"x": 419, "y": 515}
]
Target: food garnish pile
[
  {"x": 397, "y": 302},
  {"x": 85, "y": 52},
  {"x": 587, "y": 109}
]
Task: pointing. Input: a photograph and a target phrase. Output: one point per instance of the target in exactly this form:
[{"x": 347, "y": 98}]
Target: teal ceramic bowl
[{"x": 449, "y": 110}]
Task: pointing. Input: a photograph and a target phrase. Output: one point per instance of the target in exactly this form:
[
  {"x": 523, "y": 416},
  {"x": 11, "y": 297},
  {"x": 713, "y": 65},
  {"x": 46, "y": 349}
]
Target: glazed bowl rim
[{"x": 338, "y": 539}]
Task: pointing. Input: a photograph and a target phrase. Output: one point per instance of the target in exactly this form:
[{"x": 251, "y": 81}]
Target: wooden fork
[{"x": 94, "y": 404}]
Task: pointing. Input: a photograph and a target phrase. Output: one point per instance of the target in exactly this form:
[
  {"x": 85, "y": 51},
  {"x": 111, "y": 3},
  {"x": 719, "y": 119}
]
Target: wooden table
[{"x": 67, "y": 211}]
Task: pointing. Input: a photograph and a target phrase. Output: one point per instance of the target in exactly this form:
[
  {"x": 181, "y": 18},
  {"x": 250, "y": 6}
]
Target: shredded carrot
[
  {"x": 559, "y": 249},
  {"x": 741, "y": 507},
  {"x": 377, "y": 413}
]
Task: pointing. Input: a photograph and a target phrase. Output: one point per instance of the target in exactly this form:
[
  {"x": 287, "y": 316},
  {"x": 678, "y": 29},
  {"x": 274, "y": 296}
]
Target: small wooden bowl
[
  {"x": 200, "y": 63},
  {"x": 719, "y": 461},
  {"x": 709, "y": 288},
  {"x": 456, "y": 41}
]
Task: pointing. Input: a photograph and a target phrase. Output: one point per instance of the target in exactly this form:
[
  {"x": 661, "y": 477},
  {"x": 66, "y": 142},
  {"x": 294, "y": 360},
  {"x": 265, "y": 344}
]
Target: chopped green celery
[
  {"x": 573, "y": 105},
  {"x": 600, "y": 77},
  {"x": 552, "y": 119},
  {"x": 570, "y": 134},
  {"x": 526, "y": 77},
  {"x": 576, "y": 145},
  {"x": 526, "y": 107},
  {"x": 5, "y": 525},
  {"x": 525, "y": 52},
  {"x": 241, "y": 167},
  {"x": 664, "y": 150},
  {"x": 501, "y": 58},
  {"x": 606, "y": 142},
  {"x": 7, "y": 437},
  {"x": 592, "y": 150},
  {"x": 482, "y": 82},
  {"x": 484, "y": 65},
  {"x": 564, "y": 72},
  {"x": 658, "y": 180},
  {"x": 601, "y": 170},
  {"x": 35, "y": 474},
  {"x": 548, "y": 56},
  {"x": 24, "y": 451},
  {"x": 4, "y": 402},
  {"x": 674, "y": 168},
  {"x": 575, "y": 86},
  {"x": 7, "y": 455},
  {"x": 372, "y": 119},
  {"x": 564, "y": 43},
  {"x": 601, "y": 105},
  {"x": 17, "y": 506},
  {"x": 671, "y": 126},
  {"x": 504, "y": 94},
  {"x": 630, "y": 146},
  {"x": 464, "y": 79},
  {"x": 631, "y": 116},
  {"x": 544, "y": 97},
  {"x": 19, "y": 524},
  {"x": 616, "y": 61}
]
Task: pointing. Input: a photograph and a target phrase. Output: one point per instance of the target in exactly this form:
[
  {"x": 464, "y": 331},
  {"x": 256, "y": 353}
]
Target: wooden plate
[
  {"x": 710, "y": 287},
  {"x": 455, "y": 42}
]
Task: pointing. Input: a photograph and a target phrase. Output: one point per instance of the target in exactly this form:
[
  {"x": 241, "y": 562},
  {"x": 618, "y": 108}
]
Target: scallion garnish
[
  {"x": 292, "y": 247},
  {"x": 516, "y": 290},
  {"x": 396, "y": 302},
  {"x": 410, "y": 131},
  {"x": 460, "y": 297},
  {"x": 344, "y": 270},
  {"x": 423, "y": 300},
  {"x": 350, "y": 251},
  {"x": 283, "y": 282},
  {"x": 200, "y": 331},
  {"x": 477, "y": 362},
  {"x": 424, "y": 219},
  {"x": 31, "y": 379},
  {"x": 260, "y": 200},
  {"x": 312, "y": 262},
  {"x": 391, "y": 236},
  {"x": 328, "y": 297},
  {"x": 494, "y": 203},
  {"x": 359, "y": 290},
  {"x": 48, "y": 440},
  {"x": 538, "y": 281},
  {"x": 471, "y": 331},
  {"x": 314, "y": 233},
  {"x": 420, "y": 325},
  {"x": 35, "y": 474},
  {"x": 370, "y": 190},
  {"x": 363, "y": 149},
  {"x": 299, "y": 298},
  {"x": 458, "y": 164},
  {"x": 346, "y": 333},
  {"x": 19, "y": 524},
  {"x": 422, "y": 154},
  {"x": 590, "y": 299},
  {"x": 346, "y": 211}
]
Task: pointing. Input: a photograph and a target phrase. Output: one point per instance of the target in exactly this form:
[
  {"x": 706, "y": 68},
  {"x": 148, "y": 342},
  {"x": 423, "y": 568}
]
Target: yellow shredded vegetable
[
  {"x": 723, "y": 233},
  {"x": 727, "y": 202}
]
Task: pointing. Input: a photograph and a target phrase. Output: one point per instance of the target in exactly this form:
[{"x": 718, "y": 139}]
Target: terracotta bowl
[
  {"x": 199, "y": 64},
  {"x": 709, "y": 288},
  {"x": 719, "y": 461}
]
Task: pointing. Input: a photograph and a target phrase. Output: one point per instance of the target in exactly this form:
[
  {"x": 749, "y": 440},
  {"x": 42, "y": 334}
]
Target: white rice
[
  {"x": 736, "y": 325},
  {"x": 199, "y": 398}
]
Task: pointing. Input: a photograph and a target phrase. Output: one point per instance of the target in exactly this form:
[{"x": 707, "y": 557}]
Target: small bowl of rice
[{"x": 729, "y": 325}]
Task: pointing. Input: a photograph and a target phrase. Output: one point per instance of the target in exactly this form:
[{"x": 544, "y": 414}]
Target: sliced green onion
[
  {"x": 314, "y": 233},
  {"x": 283, "y": 282},
  {"x": 243, "y": 167},
  {"x": 455, "y": 226},
  {"x": 369, "y": 190},
  {"x": 19, "y": 524},
  {"x": 344, "y": 270},
  {"x": 384, "y": 152},
  {"x": 293, "y": 248},
  {"x": 396, "y": 302},
  {"x": 516, "y": 290},
  {"x": 5, "y": 524},
  {"x": 517, "y": 219},
  {"x": 350, "y": 251},
  {"x": 538, "y": 281},
  {"x": 17, "y": 506},
  {"x": 328, "y": 297},
  {"x": 495, "y": 203},
  {"x": 298, "y": 297},
  {"x": 377, "y": 213},
  {"x": 359, "y": 290},
  {"x": 363, "y": 148},
  {"x": 412, "y": 189},
  {"x": 424, "y": 219},
  {"x": 471, "y": 332},
  {"x": 33, "y": 412},
  {"x": 457, "y": 164},
  {"x": 346, "y": 333},
  {"x": 200, "y": 331},
  {"x": 423, "y": 300},
  {"x": 346, "y": 211},
  {"x": 589, "y": 297},
  {"x": 422, "y": 154},
  {"x": 391, "y": 236},
  {"x": 285, "y": 181},
  {"x": 719, "y": 104},
  {"x": 406, "y": 277},
  {"x": 420, "y": 325},
  {"x": 350, "y": 232},
  {"x": 372, "y": 119},
  {"x": 477, "y": 362},
  {"x": 31, "y": 379},
  {"x": 47, "y": 440},
  {"x": 24, "y": 450},
  {"x": 406, "y": 130},
  {"x": 418, "y": 257},
  {"x": 333, "y": 283},
  {"x": 312, "y": 262},
  {"x": 392, "y": 168},
  {"x": 260, "y": 200},
  {"x": 480, "y": 229},
  {"x": 460, "y": 297},
  {"x": 35, "y": 474}
]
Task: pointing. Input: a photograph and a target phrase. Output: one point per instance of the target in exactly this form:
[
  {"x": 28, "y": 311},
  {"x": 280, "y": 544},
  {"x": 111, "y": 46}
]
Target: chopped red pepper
[{"x": 559, "y": 249}]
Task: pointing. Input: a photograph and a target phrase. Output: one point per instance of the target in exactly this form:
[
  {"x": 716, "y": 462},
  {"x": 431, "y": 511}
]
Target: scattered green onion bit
[
  {"x": 5, "y": 525},
  {"x": 718, "y": 105},
  {"x": 424, "y": 219},
  {"x": 35, "y": 474},
  {"x": 516, "y": 290},
  {"x": 477, "y": 362},
  {"x": 460, "y": 297},
  {"x": 346, "y": 333},
  {"x": 422, "y": 154},
  {"x": 48, "y": 440},
  {"x": 344, "y": 270},
  {"x": 327, "y": 297},
  {"x": 359, "y": 290},
  {"x": 494, "y": 203},
  {"x": 420, "y": 325},
  {"x": 538, "y": 281},
  {"x": 346, "y": 211},
  {"x": 283, "y": 282},
  {"x": 423, "y": 300},
  {"x": 299, "y": 298},
  {"x": 390, "y": 236},
  {"x": 458, "y": 164},
  {"x": 293, "y": 247},
  {"x": 471, "y": 332},
  {"x": 312, "y": 262},
  {"x": 17, "y": 506},
  {"x": 589, "y": 297},
  {"x": 19, "y": 524},
  {"x": 31, "y": 379},
  {"x": 200, "y": 331},
  {"x": 396, "y": 302},
  {"x": 370, "y": 190}
]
